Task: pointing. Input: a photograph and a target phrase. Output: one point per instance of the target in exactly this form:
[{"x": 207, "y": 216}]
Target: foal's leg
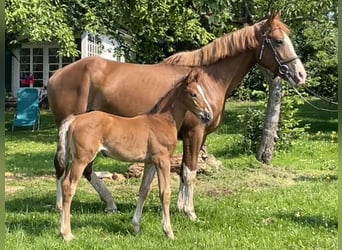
[
  {"x": 100, "y": 188},
  {"x": 96, "y": 182},
  {"x": 192, "y": 142},
  {"x": 163, "y": 172},
  {"x": 59, "y": 178},
  {"x": 149, "y": 172},
  {"x": 69, "y": 184}
]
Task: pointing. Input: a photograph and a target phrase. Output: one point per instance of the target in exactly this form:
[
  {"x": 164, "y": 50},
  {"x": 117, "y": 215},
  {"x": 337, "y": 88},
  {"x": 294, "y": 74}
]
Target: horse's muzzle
[{"x": 206, "y": 117}]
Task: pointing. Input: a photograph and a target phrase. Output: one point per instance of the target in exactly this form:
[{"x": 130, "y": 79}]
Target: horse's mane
[{"x": 228, "y": 45}]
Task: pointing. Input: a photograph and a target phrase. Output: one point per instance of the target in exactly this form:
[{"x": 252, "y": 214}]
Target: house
[{"x": 34, "y": 63}]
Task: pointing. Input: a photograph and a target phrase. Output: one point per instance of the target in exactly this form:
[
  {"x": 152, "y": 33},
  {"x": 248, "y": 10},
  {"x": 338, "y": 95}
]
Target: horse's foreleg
[
  {"x": 149, "y": 172},
  {"x": 191, "y": 147},
  {"x": 100, "y": 188},
  {"x": 163, "y": 172},
  {"x": 204, "y": 149}
]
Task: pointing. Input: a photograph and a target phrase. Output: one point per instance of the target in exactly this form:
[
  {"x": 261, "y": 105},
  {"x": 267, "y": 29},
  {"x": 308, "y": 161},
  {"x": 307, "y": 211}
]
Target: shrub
[{"x": 252, "y": 123}]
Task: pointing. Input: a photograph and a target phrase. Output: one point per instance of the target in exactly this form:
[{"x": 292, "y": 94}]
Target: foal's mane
[{"x": 228, "y": 45}]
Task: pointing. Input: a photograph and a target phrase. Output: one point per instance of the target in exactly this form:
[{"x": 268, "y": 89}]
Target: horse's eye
[
  {"x": 193, "y": 95},
  {"x": 279, "y": 41}
]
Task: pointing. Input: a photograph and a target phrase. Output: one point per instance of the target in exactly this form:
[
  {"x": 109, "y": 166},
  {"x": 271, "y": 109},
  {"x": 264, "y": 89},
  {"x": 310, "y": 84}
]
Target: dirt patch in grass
[
  {"x": 15, "y": 182},
  {"x": 218, "y": 181},
  {"x": 13, "y": 189},
  {"x": 227, "y": 182}
]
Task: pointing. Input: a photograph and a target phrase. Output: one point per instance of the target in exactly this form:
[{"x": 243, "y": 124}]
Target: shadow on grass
[
  {"x": 86, "y": 214},
  {"x": 230, "y": 152},
  {"x": 309, "y": 221},
  {"x": 37, "y": 163},
  {"x": 322, "y": 178},
  {"x": 318, "y": 120},
  {"x": 31, "y": 164}
]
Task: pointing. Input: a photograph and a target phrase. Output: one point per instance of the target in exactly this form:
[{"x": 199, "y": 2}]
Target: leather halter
[{"x": 283, "y": 69}]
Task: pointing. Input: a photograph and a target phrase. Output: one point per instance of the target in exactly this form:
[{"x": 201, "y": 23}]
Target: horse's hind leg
[
  {"x": 149, "y": 172},
  {"x": 100, "y": 188},
  {"x": 59, "y": 176}
]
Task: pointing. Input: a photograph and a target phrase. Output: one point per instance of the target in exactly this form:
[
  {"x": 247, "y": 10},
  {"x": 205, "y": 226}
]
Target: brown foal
[{"x": 149, "y": 138}]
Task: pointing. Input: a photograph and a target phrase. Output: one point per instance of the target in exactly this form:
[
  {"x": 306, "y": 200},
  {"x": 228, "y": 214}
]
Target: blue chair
[{"x": 27, "y": 112}]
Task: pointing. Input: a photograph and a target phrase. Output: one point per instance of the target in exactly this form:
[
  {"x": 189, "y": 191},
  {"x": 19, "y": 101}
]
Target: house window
[
  {"x": 56, "y": 61},
  {"x": 25, "y": 63},
  {"x": 94, "y": 45},
  {"x": 32, "y": 64},
  {"x": 41, "y": 62}
]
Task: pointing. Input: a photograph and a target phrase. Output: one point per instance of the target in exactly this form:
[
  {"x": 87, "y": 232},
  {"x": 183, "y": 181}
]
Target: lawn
[{"x": 242, "y": 205}]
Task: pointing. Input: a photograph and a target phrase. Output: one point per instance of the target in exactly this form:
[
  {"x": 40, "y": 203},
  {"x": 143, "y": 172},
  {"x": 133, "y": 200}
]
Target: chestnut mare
[
  {"x": 150, "y": 138},
  {"x": 132, "y": 89}
]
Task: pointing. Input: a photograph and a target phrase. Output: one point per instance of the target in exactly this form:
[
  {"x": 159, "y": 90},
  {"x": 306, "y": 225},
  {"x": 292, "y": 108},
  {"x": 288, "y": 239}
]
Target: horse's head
[
  {"x": 277, "y": 53},
  {"x": 194, "y": 98}
]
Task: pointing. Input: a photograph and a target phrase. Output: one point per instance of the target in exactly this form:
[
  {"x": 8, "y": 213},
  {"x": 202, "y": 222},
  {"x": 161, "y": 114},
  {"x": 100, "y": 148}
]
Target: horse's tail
[{"x": 63, "y": 148}]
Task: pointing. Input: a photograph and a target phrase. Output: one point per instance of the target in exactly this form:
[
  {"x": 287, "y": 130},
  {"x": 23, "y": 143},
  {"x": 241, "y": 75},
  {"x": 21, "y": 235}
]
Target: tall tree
[{"x": 38, "y": 20}]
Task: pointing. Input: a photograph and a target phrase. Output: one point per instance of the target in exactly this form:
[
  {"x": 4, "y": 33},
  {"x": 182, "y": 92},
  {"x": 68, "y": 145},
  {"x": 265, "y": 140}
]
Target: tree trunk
[{"x": 269, "y": 134}]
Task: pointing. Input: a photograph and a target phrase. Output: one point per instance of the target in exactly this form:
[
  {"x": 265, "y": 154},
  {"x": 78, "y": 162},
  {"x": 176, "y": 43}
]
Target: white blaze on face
[
  {"x": 288, "y": 42},
  {"x": 298, "y": 65},
  {"x": 201, "y": 91}
]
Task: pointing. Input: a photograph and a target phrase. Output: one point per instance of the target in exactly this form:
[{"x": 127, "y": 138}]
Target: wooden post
[{"x": 269, "y": 135}]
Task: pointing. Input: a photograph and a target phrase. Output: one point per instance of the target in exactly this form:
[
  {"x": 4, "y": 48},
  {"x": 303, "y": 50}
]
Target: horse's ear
[{"x": 275, "y": 15}]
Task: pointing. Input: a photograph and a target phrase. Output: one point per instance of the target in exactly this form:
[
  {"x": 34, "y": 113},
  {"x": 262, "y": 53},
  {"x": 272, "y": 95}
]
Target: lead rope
[
  {"x": 312, "y": 105},
  {"x": 320, "y": 97}
]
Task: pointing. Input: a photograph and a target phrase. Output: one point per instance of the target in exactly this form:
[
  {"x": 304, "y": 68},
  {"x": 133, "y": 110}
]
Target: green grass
[{"x": 244, "y": 205}]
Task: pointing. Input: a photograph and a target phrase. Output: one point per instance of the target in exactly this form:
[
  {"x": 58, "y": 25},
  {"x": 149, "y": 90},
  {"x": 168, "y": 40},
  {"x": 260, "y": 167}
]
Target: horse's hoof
[
  {"x": 59, "y": 208},
  {"x": 68, "y": 237},
  {"x": 192, "y": 216},
  {"x": 112, "y": 210},
  {"x": 137, "y": 230}
]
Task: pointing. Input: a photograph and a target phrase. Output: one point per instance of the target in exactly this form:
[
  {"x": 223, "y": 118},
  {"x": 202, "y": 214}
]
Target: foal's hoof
[
  {"x": 170, "y": 235},
  {"x": 68, "y": 237}
]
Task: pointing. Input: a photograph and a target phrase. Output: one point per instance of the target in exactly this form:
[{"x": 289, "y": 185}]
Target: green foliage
[
  {"x": 252, "y": 123},
  {"x": 158, "y": 28},
  {"x": 290, "y": 127},
  {"x": 38, "y": 20},
  {"x": 321, "y": 52},
  {"x": 253, "y": 87}
]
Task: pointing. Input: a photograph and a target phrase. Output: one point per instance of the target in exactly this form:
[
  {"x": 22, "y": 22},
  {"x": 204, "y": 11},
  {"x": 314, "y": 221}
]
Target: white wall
[{"x": 106, "y": 49}]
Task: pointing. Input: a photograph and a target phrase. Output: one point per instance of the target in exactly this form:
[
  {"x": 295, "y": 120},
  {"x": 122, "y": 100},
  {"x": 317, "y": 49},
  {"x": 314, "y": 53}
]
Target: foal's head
[
  {"x": 277, "y": 53},
  {"x": 193, "y": 96}
]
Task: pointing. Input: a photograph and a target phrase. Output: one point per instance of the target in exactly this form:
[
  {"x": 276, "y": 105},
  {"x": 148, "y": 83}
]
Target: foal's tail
[{"x": 63, "y": 142}]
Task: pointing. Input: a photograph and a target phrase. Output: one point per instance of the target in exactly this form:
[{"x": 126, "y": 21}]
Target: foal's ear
[{"x": 193, "y": 76}]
